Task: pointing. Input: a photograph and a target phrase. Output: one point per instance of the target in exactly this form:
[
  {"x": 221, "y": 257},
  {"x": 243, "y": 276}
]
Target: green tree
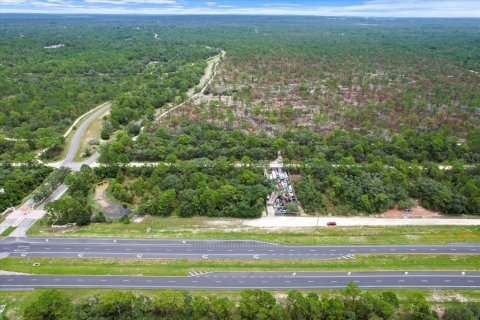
[
  {"x": 169, "y": 304},
  {"x": 189, "y": 203},
  {"x": 417, "y": 308},
  {"x": 458, "y": 311},
  {"x": 66, "y": 210},
  {"x": 48, "y": 305},
  {"x": 116, "y": 304},
  {"x": 256, "y": 304}
]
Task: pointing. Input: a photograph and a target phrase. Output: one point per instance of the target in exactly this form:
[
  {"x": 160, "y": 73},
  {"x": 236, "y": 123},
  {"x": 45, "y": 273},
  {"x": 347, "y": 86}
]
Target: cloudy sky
[{"x": 377, "y": 8}]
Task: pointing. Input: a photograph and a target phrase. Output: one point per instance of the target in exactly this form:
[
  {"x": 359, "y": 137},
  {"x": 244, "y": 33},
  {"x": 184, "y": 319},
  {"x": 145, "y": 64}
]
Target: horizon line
[{"x": 235, "y": 14}]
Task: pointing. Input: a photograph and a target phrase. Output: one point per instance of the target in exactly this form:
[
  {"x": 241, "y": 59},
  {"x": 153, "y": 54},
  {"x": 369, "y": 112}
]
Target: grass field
[
  {"x": 200, "y": 228},
  {"x": 181, "y": 267}
]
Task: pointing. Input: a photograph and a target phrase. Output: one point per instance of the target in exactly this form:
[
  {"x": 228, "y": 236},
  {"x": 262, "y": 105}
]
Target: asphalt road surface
[
  {"x": 207, "y": 249},
  {"x": 80, "y": 130},
  {"x": 253, "y": 280}
]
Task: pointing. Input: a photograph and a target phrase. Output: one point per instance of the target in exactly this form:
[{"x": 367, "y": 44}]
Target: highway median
[{"x": 184, "y": 267}]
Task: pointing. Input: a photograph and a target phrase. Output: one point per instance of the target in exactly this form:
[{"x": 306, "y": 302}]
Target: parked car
[{"x": 331, "y": 224}]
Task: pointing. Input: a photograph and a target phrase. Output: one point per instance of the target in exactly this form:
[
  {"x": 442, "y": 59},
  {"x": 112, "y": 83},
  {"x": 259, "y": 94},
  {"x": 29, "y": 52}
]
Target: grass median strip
[
  {"x": 7, "y": 231},
  {"x": 181, "y": 267}
]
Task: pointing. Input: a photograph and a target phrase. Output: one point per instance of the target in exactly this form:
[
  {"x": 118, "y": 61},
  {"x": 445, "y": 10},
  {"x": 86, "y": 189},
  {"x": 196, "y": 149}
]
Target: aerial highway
[
  {"x": 253, "y": 280},
  {"x": 206, "y": 249}
]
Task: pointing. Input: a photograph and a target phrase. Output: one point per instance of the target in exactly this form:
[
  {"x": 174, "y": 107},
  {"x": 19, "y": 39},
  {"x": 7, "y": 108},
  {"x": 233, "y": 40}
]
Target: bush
[
  {"x": 105, "y": 135},
  {"x": 125, "y": 219}
]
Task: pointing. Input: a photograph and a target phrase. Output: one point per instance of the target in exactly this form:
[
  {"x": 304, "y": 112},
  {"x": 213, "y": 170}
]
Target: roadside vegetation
[
  {"x": 247, "y": 304},
  {"x": 231, "y": 229}
]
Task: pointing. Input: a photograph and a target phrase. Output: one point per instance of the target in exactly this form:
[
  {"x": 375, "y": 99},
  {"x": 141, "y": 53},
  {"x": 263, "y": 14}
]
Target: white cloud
[
  {"x": 124, "y": 2},
  {"x": 370, "y": 8}
]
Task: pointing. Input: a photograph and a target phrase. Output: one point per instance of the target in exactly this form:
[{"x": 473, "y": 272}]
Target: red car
[{"x": 331, "y": 224}]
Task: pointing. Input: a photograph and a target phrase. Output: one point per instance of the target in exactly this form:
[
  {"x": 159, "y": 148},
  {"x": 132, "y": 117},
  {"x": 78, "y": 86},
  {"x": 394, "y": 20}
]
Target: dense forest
[
  {"x": 186, "y": 189},
  {"x": 17, "y": 182},
  {"x": 189, "y": 140},
  {"x": 56, "y": 68},
  {"x": 351, "y": 303},
  {"x": 377, "y": 101},
  {"x": 341, "y": 172},
  {"x": 350, "y": 187}
]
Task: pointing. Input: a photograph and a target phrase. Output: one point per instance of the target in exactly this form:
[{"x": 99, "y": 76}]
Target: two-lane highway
[
  {"x": 206, "y": 249},
  {"x": 253, "y": 280}
]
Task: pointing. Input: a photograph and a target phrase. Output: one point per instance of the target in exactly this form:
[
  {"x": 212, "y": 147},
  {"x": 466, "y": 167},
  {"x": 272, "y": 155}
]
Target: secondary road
[
  {"x": 253, "y": 280},
  {"x": 207, "y": 249}
]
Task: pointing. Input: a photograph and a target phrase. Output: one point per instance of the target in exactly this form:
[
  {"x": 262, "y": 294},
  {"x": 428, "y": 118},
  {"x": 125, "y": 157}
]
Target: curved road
[
  {"x": 207, "y": 249},
  {"x": 253, "y": 280},
  {"x": 75, "y": 143}
]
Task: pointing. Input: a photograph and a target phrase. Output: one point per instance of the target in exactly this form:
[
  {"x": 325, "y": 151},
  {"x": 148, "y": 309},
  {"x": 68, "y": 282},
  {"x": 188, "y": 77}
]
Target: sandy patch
[
  {"x": 417, "y": 212},
  {"x": 11, "y": 273},
  {"x": 138, "y": 219},
  {"x": 447, "y": 296}
]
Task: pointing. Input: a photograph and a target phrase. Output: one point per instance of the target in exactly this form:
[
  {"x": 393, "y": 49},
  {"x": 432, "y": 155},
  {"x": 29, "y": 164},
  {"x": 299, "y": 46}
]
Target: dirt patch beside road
[
  {"x": 110, "y": 209},
  {"x": 416, "y": 212}
]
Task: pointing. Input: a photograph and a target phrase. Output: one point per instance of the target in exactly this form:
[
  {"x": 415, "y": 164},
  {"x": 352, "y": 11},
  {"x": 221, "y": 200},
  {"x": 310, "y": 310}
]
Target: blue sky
[{"x": 375, "y": 8}]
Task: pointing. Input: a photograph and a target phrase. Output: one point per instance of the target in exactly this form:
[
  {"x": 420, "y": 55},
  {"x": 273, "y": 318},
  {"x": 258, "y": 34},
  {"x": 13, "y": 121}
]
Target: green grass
[
  {"x": 200, "y": 228},
  {"x": 7, "y": 231},
  {"x": 181, "y": 267}
]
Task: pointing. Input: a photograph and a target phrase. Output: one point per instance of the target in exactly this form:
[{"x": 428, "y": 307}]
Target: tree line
[
  {"x": 189, "y": 140},
  {"x": 350, "y": 187},
  {"x": 351, "y": 303}
]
